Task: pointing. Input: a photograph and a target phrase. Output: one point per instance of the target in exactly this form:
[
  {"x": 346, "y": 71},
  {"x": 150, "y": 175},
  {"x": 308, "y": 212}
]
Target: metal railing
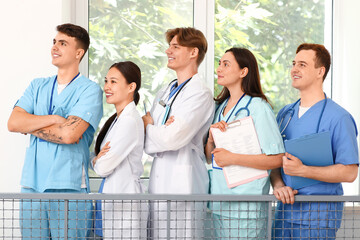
[{"x": 146, "y": 216}]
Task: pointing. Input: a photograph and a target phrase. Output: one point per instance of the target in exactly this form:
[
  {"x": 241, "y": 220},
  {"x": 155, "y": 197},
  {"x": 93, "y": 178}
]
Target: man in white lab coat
[{"x": 176, "y": 128}]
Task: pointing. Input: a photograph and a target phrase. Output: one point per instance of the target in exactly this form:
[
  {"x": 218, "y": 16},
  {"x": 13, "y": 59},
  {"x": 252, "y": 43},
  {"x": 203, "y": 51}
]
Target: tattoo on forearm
[
  {"x": 48, "y": 136},
  {"x": 73, "y": 122}
]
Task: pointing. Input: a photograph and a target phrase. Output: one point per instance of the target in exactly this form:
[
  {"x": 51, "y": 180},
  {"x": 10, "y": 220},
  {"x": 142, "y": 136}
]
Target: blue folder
[{"x": 313, "y": 150}]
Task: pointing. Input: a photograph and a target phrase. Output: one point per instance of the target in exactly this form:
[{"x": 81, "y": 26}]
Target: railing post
[
  {"x": 168, "y": 220},
  {"x": 66, "y": 211},
  {"x": 269, "y": 222}
]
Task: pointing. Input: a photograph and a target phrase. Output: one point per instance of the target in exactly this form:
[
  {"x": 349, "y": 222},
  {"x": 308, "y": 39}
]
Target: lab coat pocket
[{"x": 182, "y": 179}]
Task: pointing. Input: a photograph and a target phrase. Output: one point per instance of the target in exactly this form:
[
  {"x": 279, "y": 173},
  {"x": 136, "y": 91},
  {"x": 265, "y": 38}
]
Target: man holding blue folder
[{"x": 321, "y": 152}]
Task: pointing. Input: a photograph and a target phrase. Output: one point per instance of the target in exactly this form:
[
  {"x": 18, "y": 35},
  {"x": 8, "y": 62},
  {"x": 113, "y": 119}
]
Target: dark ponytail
[
  {"x": 131, "y": 73},
  {"x": 103, "y": 132},
  {"x": 136, "y": 97}
]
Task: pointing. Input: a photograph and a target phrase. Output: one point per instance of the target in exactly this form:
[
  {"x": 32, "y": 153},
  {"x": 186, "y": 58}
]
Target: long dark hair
[
  {"x": 131, "y": 73},
  {"x": 251, "y": 82}
]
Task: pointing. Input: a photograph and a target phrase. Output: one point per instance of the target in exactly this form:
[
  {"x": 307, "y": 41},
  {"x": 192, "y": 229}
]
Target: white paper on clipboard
[{"x": 240, "y": 137}]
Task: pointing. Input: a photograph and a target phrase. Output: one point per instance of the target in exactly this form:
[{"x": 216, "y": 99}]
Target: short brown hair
[
  {"x": 189, "y": 37},
  {"x": 322, "y": 55},
  {"x": 77, "y": 32}
]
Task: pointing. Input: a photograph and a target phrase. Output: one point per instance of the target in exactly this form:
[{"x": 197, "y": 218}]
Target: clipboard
[
  {"x": 229, "y": 126},
  {"x": 313, "y": 150},
  {"x": 240, "y": 137}
]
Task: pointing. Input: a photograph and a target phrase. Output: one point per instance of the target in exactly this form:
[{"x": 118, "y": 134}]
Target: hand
[
  {"x": 285, "y": 194},
  {"x": 220, "y": 125},
  {"x": 102, "y": 152},
  {"x": 58, "y": 119},
  {"x": 147, "y": 119},
  {"x": 78, "y": 140},
  {"x": 292, "y": 165},
  {"x": 170, "y": 121},
  {"x": 222, "y": 157}
]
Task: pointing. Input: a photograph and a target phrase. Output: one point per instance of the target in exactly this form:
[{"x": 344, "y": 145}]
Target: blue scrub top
[
  {"x": 59, "y": 166},
  {"x": 270, "y": 142},
  {"x": 343, "y": 132}
]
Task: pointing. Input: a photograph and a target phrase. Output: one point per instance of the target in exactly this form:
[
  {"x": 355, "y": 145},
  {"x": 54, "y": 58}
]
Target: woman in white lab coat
[
  {"x": 241, "y": 97},
  {"x": 119, "y": 149},
  {"x": 179, "y": 160}
]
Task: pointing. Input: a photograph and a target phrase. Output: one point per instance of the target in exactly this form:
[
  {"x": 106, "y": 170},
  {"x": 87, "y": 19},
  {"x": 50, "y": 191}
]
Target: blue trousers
[
  {"x": 284, "y": 230},
  {"x": 42, "y": 219}
]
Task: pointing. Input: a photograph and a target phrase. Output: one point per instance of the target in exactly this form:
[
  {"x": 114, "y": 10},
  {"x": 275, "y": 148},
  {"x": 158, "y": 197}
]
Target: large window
[{"x": 272, "y": 29}]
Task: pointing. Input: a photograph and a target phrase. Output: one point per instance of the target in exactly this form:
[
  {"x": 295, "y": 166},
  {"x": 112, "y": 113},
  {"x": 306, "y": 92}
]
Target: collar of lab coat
[{"x": 128, "y": 108}]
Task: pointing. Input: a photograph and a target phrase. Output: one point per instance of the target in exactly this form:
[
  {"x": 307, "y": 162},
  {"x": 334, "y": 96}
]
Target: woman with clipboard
[{"x": 241, "y": 97}]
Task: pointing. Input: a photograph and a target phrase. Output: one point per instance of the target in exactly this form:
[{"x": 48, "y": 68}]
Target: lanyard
[
  {"x": 222, "y": 109},
  {"x": 172, "y": 92},
  {"x": 175, "y": 88},
  {"x": 52, "y": 92}
]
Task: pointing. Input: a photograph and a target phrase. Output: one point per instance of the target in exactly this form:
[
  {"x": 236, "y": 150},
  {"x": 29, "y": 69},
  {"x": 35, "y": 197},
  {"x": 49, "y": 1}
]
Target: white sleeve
[
  {"x": 189, "y": 118},
  {"x": 123, "y": 140}
]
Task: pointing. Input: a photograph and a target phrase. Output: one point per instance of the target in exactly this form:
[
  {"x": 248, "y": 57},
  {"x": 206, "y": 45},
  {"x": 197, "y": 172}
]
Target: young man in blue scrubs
[
  {"x": 61, "y": 114},
  {"x": 304, "y": 220}
]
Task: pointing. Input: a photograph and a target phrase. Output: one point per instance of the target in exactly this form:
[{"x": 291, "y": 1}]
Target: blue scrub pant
[
  {"x": 44, "y": 219},
  {"x": 234, "y": 228},
  {"x": 285, "y": 230}
]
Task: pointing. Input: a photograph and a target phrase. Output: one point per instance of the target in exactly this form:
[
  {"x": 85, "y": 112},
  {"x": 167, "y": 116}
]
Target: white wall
[{"x": 28, "y": 28}]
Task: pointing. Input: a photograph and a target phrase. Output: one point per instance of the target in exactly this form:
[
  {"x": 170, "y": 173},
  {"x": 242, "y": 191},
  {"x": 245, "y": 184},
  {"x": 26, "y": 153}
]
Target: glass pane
[
  {"x": 133, "y": 30},
  {"x": 272, "y": 30}
]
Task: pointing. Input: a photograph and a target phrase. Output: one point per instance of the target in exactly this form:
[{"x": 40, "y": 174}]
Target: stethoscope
[
  {"x": 174, "y": 90},
  {"x": 238, "y": 111},
  {"x": 291, "y": 112}
]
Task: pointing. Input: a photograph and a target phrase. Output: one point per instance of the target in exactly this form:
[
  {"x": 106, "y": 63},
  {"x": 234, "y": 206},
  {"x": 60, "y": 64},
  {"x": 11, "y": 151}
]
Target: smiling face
[
  {"x": 116, "y": 88},
  {"x": 228, "y": 71},
  {"x": 179, "y": 57},
  {"x": 304, "y": 74},
  {"x": 65, "y": 51}
]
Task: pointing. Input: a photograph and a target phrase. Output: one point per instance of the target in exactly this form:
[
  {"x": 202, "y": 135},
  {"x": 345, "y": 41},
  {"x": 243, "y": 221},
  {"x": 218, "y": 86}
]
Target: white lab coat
[
  {"x": 178, "y": 151},
  {"x": 122, "y": 167}
]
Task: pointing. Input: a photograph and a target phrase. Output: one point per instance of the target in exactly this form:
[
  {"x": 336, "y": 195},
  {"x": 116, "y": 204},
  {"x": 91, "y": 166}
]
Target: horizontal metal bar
[{"x": 175, "y": 197}]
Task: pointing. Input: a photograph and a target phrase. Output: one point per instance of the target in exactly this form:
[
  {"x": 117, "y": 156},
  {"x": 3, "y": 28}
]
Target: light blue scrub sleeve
[
  {"x": 89, "y": 106},
  {"x": 27, "y": 100},
  {"x": 345, "y": 147},
  {"x": 267, "y": 129}
]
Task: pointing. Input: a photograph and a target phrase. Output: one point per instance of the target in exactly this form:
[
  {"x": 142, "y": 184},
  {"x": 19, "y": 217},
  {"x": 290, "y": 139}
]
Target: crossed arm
[{"x": 52, "y": 128}]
